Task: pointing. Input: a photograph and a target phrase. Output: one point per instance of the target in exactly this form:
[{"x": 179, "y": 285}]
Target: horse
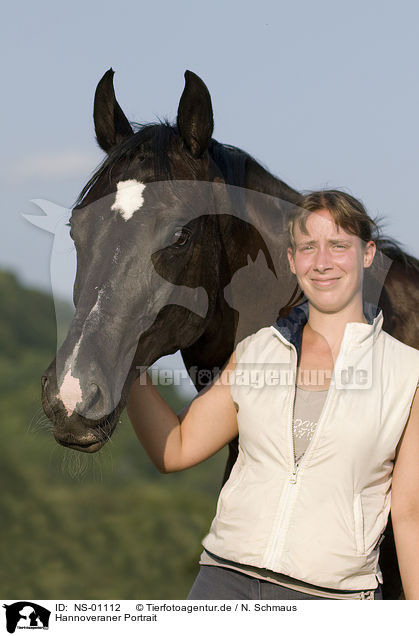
[{"x": 164, "y": 231}]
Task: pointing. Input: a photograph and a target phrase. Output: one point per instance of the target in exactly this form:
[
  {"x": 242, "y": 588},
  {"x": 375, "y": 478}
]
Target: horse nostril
[{"x": 93, "y": 396}]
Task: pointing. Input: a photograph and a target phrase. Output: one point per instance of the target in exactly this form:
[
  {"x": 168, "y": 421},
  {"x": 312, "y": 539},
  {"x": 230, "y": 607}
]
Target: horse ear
[
  {"x": 195, "y": 119},
  {"x": 111, "y": 125}
]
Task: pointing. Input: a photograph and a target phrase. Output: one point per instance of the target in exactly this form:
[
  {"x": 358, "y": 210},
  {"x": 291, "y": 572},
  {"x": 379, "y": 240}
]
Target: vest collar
[{"x": 358, "y": 333}]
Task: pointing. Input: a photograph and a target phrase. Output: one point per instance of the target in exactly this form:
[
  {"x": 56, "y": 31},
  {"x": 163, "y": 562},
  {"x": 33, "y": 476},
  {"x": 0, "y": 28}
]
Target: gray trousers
[{"x": 217, "y": 583}]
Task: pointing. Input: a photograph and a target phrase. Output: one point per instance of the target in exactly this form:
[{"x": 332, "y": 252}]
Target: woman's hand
[{"x": 175, "y": 442}]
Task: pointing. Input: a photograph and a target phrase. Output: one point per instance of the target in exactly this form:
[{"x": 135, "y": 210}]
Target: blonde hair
[{"x": 347, "y": 212}]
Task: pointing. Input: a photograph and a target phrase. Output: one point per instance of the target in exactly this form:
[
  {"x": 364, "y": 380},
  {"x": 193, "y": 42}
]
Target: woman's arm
[
  {"x": 405, "y": 503},
  {"x": 175, "y": 442}
]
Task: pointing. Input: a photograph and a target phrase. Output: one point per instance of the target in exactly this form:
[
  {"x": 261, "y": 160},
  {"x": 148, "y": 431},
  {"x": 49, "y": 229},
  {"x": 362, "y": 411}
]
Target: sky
[{"x": 325, "y": 94}]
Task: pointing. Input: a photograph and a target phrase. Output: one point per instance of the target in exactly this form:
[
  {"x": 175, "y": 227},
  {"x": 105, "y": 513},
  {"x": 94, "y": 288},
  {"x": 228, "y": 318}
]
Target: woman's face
[{"x": 329, "y": 263}]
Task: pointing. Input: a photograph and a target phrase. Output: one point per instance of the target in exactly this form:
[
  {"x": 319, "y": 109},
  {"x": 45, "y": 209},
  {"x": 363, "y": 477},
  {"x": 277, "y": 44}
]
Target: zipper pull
[{"x": 293, "y": 477}]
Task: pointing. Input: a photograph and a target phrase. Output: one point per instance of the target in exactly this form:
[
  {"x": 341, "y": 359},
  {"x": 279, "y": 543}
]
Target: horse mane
[
  {"x": 393, "y": 249},
  {"x": 230, "y": 159},
  {"x": 232, "y": 162}
]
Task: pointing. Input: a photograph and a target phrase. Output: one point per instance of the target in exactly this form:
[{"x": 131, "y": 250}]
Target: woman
[{"x": 325, "y": 406}]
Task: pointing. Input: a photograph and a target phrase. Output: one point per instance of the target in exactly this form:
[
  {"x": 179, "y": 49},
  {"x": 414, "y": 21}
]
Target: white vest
[{"x": 322, "y": 522}]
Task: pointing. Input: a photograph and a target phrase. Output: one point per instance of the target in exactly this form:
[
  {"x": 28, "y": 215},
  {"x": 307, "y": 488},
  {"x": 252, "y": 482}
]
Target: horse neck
[
  {"x": 217, "y": 342},
  {"x": 260, "y": 180}
]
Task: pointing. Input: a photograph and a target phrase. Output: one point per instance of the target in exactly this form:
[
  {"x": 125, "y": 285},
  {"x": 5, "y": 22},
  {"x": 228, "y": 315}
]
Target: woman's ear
[
  {"x": 290, "y": 255},
  {"x": 369, "y": 253}
]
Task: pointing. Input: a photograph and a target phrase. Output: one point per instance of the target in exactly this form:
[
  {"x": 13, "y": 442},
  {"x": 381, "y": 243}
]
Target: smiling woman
[{"x": 331, "y": 238}]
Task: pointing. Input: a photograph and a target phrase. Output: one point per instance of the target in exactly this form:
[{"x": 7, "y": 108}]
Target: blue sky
[{"x": 324, "y": 94}]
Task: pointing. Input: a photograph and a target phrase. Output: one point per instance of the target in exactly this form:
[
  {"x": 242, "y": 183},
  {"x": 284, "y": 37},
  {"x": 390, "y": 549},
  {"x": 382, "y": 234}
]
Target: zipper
[
  {"x": 296, "y": 468},
  {"x": 291, "y": 481},
  {"x": 280, "y": 525}
]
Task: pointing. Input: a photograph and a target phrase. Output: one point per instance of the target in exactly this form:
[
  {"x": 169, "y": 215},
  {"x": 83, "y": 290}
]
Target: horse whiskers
[
  {"x": 42, "y": 423},
  {"x": 74, "y": 464},
  {"x": 103, "y": 433},
  {"x": 37, "y": 414},
  {"x": 80, "y": 465},
  {"x": 106, "y": 436},
  {"x": 43, "y": 427},
  {"x": 39, "y": 422}
]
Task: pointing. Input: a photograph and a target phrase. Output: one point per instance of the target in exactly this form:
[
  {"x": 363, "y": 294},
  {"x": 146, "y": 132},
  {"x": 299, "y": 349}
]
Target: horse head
[{"x": 147, "y": 262}]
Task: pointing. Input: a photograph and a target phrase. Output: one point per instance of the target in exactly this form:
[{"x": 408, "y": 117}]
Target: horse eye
[{"x": 181, "y": 236}]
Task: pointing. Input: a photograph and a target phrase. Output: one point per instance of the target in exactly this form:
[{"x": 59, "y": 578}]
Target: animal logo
[{"x": 26, "y": 615}]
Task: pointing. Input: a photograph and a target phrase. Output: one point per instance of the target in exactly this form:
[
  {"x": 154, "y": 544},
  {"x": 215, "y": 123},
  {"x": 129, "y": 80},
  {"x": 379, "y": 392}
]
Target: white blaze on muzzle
[
  {"x": 70, "y": 392},
  {"x": 129, "y": 197}
]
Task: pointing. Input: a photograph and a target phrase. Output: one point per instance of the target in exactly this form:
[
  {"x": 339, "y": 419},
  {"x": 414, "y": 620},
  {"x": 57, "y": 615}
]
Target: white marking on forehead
[
  {"x": 70, "y": 392},
  {"x": 129, "y": 197}
]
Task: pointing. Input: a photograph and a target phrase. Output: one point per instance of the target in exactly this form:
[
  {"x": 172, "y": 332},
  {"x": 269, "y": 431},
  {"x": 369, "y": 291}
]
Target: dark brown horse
[{"x": 181, "y": 244}]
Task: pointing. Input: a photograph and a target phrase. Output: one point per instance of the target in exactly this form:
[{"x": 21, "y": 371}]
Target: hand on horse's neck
[{"x": 328, "y": 329}]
